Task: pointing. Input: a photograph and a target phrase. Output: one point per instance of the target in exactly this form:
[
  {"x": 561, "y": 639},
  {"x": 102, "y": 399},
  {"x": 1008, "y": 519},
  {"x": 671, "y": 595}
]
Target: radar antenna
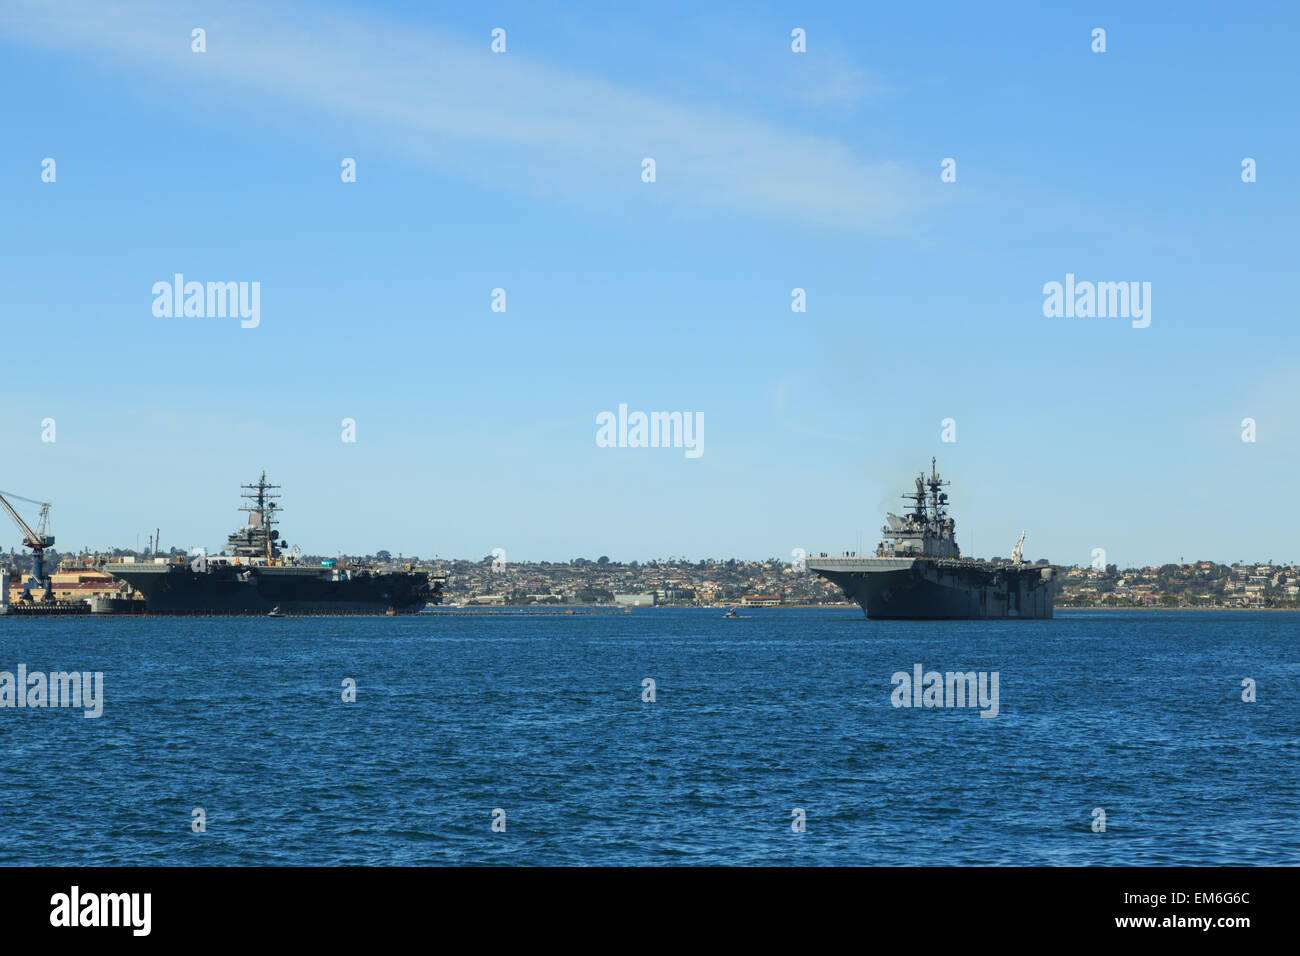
[
  {"x": 259, "y": 537},
  {"x": 937, "y": 499}
]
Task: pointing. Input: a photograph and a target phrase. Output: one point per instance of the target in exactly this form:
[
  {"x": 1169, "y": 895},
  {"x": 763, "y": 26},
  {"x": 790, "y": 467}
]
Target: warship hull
[
  {"x": 936, "y": 589},
  {"x": 181, "y": 590}
]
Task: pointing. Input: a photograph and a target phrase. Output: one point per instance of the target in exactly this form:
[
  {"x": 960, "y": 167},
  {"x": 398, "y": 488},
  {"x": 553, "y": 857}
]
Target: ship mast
[
  {"x": 937, "y": 500},
  {"x": 262, "y": 511},
  {"x": 918, "y": 508}
]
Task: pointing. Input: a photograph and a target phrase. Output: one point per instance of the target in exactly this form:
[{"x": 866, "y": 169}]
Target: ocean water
[{"x": 1137, "y": 713}]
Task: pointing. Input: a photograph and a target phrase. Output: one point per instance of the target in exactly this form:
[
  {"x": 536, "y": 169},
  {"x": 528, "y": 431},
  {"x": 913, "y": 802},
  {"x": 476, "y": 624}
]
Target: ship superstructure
[
  {"x": 258, "y": 538},
  {"x": 918, "y": 570},
  {"x": 926, "y": 530}
]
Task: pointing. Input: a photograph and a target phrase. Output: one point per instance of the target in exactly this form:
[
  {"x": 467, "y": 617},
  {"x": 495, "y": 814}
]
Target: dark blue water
[{"x": 1136, "y": 713}]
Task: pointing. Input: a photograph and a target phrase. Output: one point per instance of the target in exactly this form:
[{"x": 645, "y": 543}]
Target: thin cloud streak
[{"x": 506, "y": 119}]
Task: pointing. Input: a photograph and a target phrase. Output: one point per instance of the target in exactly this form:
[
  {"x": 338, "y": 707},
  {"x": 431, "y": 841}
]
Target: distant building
[
  {"x": 635, "y": 600},
  {"x": 760, "y": 600},
  {"x": 78, "y": 585}
]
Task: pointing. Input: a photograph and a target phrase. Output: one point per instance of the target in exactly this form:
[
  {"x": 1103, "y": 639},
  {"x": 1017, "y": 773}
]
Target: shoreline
[
  {"x": 1107, "y": 607},
  {"x": 848, "y": 605}
]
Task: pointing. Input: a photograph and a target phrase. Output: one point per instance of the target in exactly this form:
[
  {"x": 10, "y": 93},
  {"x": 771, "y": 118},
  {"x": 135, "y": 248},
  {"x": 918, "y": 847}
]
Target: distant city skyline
[
  {"x": 21, "y": 557},
  {"x": 501, "y": 274}
]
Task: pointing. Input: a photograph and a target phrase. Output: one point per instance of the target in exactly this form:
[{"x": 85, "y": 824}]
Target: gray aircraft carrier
[
  {"x": 918, "y": 571},
  {"x": 255, "y": 577}
]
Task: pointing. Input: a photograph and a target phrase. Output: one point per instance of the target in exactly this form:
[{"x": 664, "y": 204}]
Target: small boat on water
[
  {"x": 731, "y": 613},
  {"x": 274, "y": 612}
]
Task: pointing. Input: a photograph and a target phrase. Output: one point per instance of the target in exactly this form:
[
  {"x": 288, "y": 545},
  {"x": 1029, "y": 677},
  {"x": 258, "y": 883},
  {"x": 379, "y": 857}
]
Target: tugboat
[{"x": 918, "y": 571}]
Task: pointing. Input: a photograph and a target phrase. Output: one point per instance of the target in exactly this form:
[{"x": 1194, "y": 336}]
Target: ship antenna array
[
  {"x": 262, "y": 495},
  {"x": 935, "y": 484},
  {"x": 264, "y": 505},
  {"x": 918, "y": 497}
]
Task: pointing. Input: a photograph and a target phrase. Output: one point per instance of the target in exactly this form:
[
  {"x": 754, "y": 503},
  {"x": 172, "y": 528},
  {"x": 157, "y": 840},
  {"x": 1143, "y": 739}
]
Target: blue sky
[{"x": 775, "y": 170}]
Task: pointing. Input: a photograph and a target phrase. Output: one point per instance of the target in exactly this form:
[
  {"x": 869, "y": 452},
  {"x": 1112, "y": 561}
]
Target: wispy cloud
[{"x": 509, "y": 120}]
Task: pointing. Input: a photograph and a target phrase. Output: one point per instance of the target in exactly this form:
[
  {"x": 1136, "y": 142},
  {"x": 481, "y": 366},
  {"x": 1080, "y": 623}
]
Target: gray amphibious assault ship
[{"x": 918, "y": 571}]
